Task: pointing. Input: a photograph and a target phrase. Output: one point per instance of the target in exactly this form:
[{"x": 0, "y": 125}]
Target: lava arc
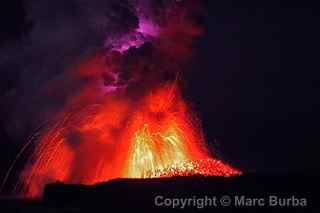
[{"x": 128, "y": 117}]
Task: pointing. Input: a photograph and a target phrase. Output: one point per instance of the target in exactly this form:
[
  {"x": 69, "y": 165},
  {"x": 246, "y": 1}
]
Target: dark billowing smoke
[
  {"x": 64, "y": 33},
  {"x": 87, "y": 72}
]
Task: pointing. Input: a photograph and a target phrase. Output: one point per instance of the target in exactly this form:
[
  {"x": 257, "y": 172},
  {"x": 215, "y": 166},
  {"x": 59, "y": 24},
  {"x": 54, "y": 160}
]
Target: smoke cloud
[
  {"x": 85, "y": 72},
  {"x": 64, "y": 34}
]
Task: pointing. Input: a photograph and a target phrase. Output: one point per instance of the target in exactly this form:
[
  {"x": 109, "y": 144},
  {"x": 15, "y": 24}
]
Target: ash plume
[
  {"x": 63, "y": 34},
  {"x": 101, "y": 79}
]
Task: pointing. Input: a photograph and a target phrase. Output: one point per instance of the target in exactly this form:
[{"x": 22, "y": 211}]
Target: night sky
[{"x": 253, "y": 83}]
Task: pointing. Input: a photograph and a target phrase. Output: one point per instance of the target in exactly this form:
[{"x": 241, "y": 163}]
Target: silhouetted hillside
[{"x": 253, "y": 193}]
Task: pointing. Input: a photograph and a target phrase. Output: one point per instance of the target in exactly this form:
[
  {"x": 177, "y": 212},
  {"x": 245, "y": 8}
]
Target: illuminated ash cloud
[
  {"x": 148, "y": 28},
  {"x": 66, "y": 33},
  {"x": 106, "y": 82},
  {"x": 61, "y": 35}
]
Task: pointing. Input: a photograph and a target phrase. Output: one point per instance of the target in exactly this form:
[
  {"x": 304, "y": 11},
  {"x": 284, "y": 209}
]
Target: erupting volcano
[{"x": 129, "y": 118}]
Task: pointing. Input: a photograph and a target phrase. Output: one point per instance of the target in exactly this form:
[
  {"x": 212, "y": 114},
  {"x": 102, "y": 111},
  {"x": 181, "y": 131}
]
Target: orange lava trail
[
  {"x": 159, "y": 138},
  {"x": 123, "y": 115}
]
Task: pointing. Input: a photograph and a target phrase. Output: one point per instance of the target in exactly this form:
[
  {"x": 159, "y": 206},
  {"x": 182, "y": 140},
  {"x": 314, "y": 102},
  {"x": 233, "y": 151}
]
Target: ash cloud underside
[{"x": 61, "y": 34}]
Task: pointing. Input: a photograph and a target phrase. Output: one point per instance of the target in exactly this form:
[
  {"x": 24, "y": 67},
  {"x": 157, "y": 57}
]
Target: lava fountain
[
  {"x": 159, "y": 138},
  {"x": 129, "y": 119}
]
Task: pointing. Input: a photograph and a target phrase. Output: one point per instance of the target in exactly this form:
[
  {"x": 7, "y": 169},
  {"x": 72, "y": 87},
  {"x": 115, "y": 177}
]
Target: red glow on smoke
[
  {"x": 159, "y": 138},
  {"x": 137, "y": 126}
]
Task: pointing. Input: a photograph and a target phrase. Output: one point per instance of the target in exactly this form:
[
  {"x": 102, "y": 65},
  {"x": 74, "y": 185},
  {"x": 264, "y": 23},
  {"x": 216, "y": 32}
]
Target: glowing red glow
[
  {"x": 138, "y": 126},
  {"x": 159, "y": 138}
]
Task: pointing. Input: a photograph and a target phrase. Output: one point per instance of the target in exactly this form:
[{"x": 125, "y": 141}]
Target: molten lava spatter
[
  {"x": 127, "y": 117},
  {"x": 159, "y": 138},
  {"x": 168, "y": 142},
  {"x": 167, "y": 157}
]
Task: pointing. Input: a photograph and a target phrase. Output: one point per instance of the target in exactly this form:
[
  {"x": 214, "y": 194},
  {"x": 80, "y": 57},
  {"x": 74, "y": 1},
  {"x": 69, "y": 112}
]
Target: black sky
[
  {"x": 257, "y": 89},
  {"x": 253, "y": 82}
]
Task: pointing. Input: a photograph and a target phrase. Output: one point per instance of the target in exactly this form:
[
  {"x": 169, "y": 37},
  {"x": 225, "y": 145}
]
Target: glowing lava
[
  {"x": 160, "y": 138},
  {"x": 126, "y": 116},
  {"x": 167, "y": 141}
]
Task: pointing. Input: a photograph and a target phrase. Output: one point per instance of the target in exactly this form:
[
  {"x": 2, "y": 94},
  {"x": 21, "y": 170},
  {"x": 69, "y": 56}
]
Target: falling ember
[
  {"x": 127, "y": 120},
  {"x": 158, "y": 139},
  {"x": 165, "y": 142}
]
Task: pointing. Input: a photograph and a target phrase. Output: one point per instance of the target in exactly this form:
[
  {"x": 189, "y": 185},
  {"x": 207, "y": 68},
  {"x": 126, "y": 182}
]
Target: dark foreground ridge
[{"x": 250, "y": 192}]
